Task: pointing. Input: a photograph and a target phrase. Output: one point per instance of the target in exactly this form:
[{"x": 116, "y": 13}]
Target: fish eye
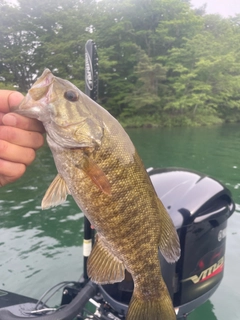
[{"x": 71, "y": 95}]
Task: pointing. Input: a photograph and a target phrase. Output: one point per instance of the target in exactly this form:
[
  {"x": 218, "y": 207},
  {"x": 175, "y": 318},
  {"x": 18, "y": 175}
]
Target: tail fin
[{"x": 160, "y": 308}]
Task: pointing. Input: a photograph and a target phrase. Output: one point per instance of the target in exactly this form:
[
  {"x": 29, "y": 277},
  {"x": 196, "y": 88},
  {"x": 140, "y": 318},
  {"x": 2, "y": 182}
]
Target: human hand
[{"x": 20, "y": 137}]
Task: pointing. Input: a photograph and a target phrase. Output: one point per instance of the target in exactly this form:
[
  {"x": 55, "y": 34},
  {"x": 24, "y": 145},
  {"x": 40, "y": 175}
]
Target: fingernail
[{"x": 9, "y": 120}]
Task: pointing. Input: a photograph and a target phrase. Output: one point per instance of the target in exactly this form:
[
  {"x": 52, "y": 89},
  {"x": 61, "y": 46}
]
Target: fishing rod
[{"x": 91, "y": 90}]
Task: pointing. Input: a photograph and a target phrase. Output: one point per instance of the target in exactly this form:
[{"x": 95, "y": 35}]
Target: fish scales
[{"x": 98, "y": 165}]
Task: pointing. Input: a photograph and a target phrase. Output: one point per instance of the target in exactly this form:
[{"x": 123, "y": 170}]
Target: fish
[{"x": 99, "y": 166}]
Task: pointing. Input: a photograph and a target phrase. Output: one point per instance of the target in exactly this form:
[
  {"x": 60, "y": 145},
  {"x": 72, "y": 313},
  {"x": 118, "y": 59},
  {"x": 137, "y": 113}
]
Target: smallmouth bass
[{"x": 99, "y": 166}]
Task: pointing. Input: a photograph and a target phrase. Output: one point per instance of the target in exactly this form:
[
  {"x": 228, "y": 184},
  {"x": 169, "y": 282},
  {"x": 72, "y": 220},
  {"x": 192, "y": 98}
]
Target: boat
[{"x": 199, "y": 206}]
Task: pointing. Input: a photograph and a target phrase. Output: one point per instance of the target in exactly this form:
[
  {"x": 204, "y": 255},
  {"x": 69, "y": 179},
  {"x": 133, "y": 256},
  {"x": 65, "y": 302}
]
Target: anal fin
[
  {"x": 103, "y": 267},
  {"x": 56, "y": 193}
]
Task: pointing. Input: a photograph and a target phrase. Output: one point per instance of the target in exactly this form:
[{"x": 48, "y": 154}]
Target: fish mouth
[
  {"x": 42, "y": 85},
  {"x": 37, "y": 97}
]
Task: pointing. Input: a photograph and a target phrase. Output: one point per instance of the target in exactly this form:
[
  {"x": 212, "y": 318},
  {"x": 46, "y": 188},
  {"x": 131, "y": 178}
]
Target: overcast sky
[{"x": 223, "y": 7}]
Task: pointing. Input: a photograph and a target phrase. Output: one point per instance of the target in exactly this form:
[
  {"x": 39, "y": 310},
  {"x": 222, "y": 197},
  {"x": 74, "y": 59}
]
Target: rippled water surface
[{"x": 41, "y": 248}]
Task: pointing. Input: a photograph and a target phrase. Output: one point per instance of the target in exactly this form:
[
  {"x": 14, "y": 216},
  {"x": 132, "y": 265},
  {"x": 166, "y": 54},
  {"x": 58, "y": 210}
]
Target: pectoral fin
[
  {"x": 56, "y": 193},
  {"x": 96, "y": 174},
  {"x": 169, "y": 241},
  {"x": 103, "y": 267}
]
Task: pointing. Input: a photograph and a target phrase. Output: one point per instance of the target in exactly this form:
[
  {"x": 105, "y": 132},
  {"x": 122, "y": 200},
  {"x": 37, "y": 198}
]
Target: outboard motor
[{"x": 199, "y": 207}]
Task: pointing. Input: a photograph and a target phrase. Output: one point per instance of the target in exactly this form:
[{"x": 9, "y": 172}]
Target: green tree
[
  {"x": 17, "y": 46},
  {"x": 160, "y": 60}
]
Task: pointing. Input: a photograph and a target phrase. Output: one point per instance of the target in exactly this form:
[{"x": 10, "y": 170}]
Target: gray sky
[{"x": 223, "y": 7}]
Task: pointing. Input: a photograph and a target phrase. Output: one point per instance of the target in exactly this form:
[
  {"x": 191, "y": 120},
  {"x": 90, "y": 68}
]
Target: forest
[{"x": 161, "y": 62}]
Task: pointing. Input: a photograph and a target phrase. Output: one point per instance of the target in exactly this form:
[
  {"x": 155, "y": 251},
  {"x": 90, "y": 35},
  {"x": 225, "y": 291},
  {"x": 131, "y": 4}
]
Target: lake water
[{"x": 41, "y": 248}]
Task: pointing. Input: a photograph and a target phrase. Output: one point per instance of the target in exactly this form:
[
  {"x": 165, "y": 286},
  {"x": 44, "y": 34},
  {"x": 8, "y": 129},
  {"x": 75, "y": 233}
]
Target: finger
[
  {"x": 10, "y": 171},
  {"x": 21, "y": 137},
  {"x": 9, "y": 99},
  {"x": 16, "y": 120},
  {"x": 14, "y": 99},
  {"x": 17, "y": 154}
]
